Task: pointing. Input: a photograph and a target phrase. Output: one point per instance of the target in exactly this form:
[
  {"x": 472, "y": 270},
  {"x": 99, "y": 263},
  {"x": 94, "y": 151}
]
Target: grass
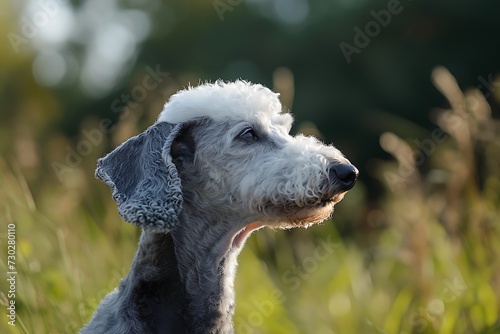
[{"x": 425, "y": 260}]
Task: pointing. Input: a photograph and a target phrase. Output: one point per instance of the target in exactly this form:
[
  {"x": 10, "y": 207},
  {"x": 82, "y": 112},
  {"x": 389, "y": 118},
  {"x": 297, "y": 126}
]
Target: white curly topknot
[{"x": 221, "y": 101}]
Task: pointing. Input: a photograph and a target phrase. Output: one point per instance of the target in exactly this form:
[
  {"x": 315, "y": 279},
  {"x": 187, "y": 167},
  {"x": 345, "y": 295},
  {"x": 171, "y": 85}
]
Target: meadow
[{"x": 424, "y": 259}]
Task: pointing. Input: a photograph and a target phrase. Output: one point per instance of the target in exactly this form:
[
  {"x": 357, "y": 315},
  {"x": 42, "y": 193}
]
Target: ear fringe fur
[{"x": 143, "y": 180}]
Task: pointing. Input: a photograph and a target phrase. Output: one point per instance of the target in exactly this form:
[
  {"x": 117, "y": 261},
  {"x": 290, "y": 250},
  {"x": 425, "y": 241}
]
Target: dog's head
[{"x": 225, "y": 145}]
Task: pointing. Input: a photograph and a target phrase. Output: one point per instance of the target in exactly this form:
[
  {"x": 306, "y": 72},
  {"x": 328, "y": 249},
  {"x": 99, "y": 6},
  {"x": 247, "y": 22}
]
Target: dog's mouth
[
  {"x": 310, "y": 215},
  {"x": 334, "y": 199},
  {"x": 301, "y": 217},
  {"x": 240, "y": 237}
]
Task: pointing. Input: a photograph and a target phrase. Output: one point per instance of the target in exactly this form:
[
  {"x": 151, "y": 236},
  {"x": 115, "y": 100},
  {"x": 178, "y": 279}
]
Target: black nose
[{"x": 345, "y": 175}]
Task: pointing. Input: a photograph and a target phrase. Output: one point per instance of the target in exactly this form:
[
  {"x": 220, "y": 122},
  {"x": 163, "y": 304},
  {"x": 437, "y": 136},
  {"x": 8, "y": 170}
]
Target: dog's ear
[{"x": 143, "y": 179}]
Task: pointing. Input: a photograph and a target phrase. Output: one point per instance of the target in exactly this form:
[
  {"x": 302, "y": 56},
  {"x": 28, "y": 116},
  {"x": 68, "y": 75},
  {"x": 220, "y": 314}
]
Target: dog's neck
[{"x": 178, "y": 280}]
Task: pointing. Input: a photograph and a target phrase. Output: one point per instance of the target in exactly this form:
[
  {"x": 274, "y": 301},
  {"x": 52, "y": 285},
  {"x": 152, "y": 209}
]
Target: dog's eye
[{"x": 248, "y": 134}]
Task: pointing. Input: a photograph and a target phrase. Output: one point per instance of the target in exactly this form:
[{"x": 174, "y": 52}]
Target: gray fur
[
  {"x": 182, "y": 277},
  {"x": 143, "y": 181}
]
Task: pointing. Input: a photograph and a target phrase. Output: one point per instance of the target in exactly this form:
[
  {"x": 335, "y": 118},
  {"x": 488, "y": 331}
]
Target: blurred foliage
[{"x": 415, "y": 247}]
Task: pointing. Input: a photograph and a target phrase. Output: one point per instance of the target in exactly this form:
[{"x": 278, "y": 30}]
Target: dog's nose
[{"x": 345, "y": 174}]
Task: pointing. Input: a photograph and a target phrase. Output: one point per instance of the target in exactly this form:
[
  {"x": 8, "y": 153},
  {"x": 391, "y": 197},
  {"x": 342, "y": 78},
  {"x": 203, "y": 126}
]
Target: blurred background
[{"x": 408, "y": 90}]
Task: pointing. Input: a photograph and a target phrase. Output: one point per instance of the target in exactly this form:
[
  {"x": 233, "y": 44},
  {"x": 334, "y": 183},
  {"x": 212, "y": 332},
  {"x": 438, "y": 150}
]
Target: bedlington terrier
[{"x": 218, "y": 164}]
